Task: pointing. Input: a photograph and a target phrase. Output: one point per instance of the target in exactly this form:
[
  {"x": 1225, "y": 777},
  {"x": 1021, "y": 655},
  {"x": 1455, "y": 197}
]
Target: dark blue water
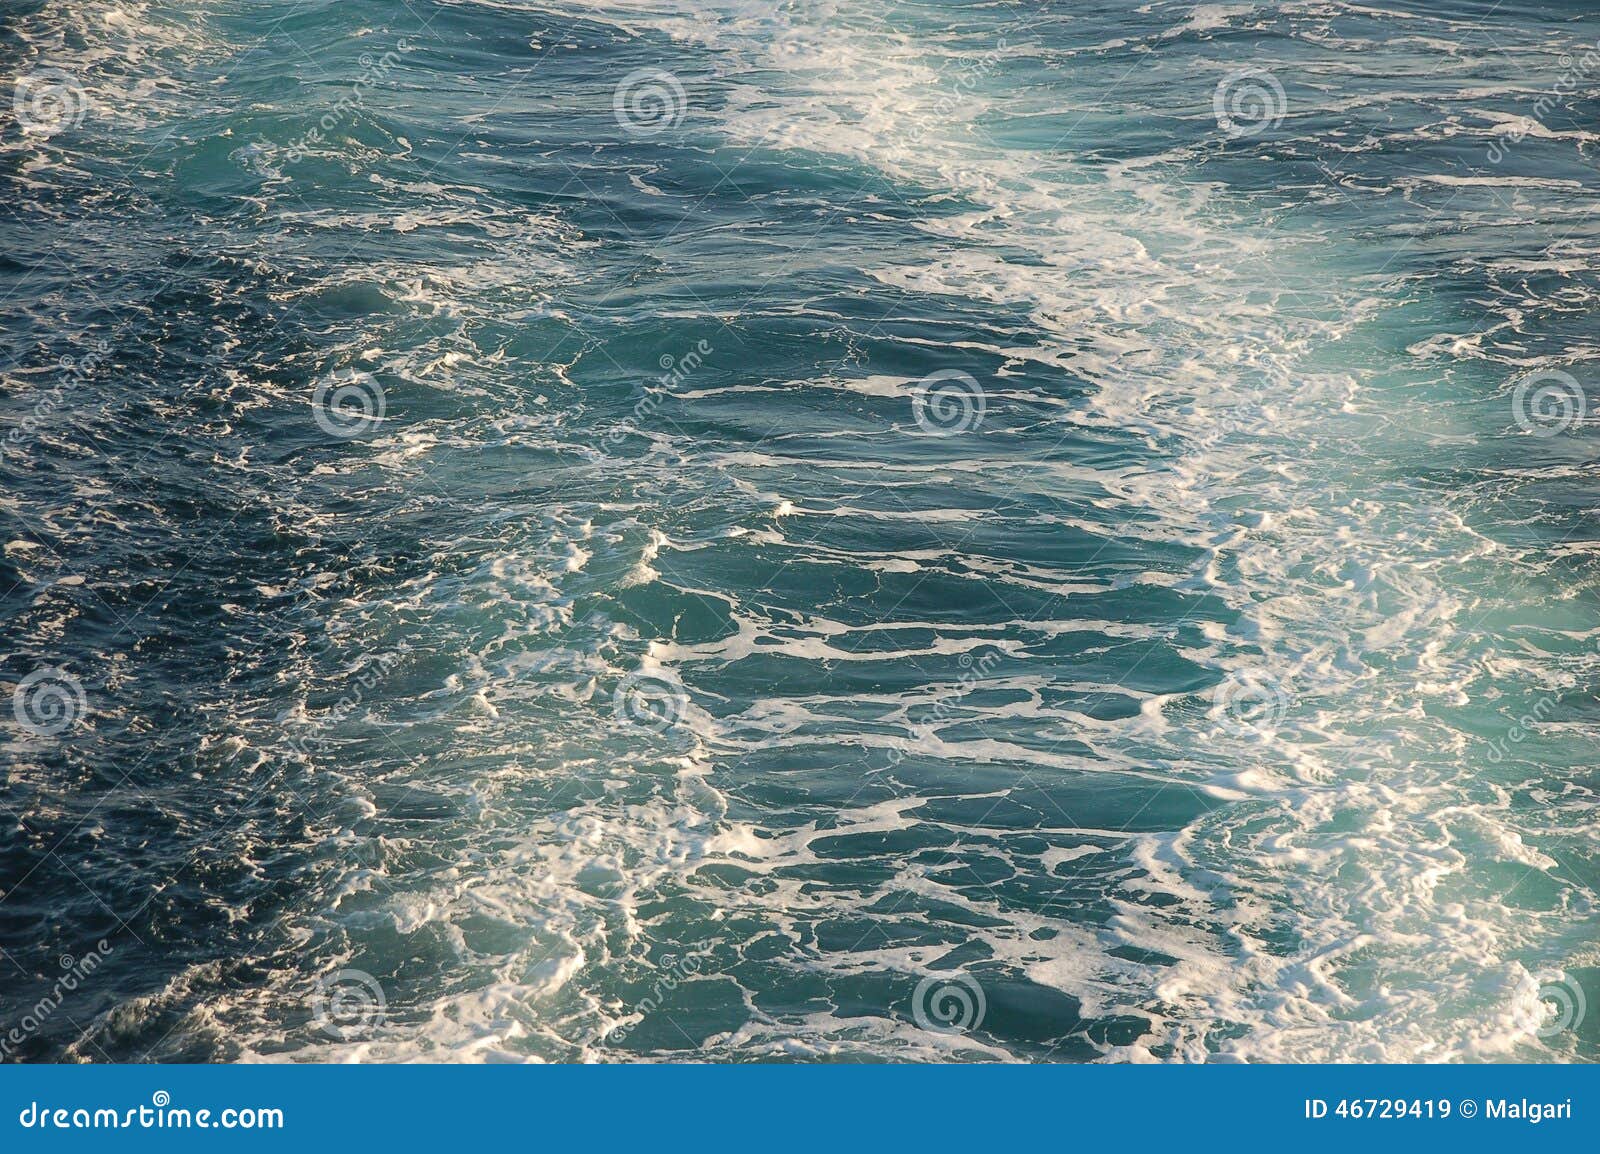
[{"x": 816, "y": 531}]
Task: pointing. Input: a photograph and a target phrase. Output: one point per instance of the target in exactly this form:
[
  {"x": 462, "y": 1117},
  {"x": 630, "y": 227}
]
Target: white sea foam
[{"x": 1305, "y": 881}]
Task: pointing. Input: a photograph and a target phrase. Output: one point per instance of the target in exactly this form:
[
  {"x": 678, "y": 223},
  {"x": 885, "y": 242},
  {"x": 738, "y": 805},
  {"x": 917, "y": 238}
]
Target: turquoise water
[{"x": 816, "y": 531}]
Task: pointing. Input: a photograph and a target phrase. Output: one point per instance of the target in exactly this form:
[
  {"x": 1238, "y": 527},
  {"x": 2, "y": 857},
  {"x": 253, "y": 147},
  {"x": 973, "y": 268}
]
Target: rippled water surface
[{"x": 799, "y": 531}]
